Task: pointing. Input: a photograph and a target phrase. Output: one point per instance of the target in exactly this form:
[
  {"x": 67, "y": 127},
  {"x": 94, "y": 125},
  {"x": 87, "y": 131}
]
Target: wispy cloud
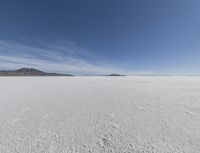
[{"x": 63, "y": 57}]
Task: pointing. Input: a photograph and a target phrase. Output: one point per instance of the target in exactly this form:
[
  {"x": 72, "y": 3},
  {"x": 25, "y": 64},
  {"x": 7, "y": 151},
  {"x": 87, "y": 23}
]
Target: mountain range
[{"x": 29, "y": 72}]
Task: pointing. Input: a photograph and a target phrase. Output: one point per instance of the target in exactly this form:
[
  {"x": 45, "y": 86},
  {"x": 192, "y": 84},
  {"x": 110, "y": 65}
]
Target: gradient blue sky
[{"x": 101, "y": 36}]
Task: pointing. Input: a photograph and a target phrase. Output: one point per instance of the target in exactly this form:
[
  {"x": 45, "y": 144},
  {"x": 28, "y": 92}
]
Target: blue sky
[{"x": 101, "y": 36}]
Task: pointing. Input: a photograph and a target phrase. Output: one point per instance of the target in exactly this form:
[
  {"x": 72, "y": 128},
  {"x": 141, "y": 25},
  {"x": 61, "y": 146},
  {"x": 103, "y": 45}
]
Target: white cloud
[{"x": 59, "y": 57}]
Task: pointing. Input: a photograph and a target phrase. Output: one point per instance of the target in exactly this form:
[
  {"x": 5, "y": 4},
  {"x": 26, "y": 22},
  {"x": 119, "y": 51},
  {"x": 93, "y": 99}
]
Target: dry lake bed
[{"x": 138, "y": 114}]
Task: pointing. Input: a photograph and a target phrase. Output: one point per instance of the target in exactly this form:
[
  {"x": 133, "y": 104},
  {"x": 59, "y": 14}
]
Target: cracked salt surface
[{"x": 99, "y": 114}]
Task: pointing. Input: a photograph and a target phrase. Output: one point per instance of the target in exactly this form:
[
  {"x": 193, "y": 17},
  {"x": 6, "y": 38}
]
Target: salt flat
[{"x": 100, "y": 114}]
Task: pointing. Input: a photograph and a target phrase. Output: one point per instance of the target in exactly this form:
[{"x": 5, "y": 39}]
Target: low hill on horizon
[
  {"x": 29, "y": 72},
  {"x": 116, "y": 75}
]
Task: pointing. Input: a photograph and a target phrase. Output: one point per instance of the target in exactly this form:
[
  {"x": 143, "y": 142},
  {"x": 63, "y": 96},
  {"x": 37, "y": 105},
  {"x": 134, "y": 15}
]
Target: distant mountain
[
  {"x": 29, "y": 72},
  {"x": 116, "y": 75}
]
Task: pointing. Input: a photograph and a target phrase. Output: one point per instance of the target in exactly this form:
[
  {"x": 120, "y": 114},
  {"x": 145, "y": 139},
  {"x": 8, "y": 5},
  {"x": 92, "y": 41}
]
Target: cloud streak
[{"x": 62, "y": 57}]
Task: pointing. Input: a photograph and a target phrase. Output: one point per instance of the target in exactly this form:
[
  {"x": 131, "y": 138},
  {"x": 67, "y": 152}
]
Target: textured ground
[{"x": 100, "y": 114}]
